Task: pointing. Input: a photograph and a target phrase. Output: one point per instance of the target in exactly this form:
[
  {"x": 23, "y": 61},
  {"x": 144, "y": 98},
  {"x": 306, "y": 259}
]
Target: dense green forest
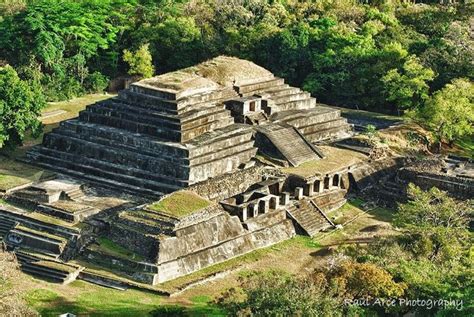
[{"x": 382, "y": 55}]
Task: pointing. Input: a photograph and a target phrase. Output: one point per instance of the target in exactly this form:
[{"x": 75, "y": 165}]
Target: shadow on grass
[{"x": 178, "y": 311}]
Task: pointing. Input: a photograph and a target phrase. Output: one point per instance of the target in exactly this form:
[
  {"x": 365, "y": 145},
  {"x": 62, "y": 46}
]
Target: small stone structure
[{"x": 452, "y": 174}]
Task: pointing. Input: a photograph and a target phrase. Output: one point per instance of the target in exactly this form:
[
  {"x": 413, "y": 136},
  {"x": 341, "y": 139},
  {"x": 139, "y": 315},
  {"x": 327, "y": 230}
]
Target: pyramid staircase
[
  {"x": 309, "y": 217},
  {"x": 291, "y": 144}
]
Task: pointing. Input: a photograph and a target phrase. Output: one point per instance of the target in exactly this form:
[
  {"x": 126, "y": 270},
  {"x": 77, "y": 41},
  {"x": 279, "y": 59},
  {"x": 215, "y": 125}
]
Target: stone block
[
  {"x": 284, "y": 199},
  {"x": 298, "y": 193}
]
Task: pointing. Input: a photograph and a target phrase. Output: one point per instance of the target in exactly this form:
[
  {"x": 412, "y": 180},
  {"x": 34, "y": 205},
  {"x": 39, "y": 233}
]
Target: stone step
[
  {"x": 169, "y": 121},
  {"x": 119, "y": 136},
  {"x": 75, "y": 195},
  {"x": 140, "y": 178},
  {"x": 131, "y": 122},
  {"x": 218, "y": 139},
  {"x": 52, "y": 270},
  {"x": 78, "y": 150},
  {"x": 291, "y": 145},
  {"x": 196, "y": 131},
  {"x": 309, "y": 117},
  {"x": 277, "y": 91},
  {"x": 154, "y": 103},
  {"x": 38, "y": 225},
  {"x": 166, "y": 95},
  {"x": 199, "y": 100},
  {"x": 63, "y": 138},
  {"x": 202, "y": 119},
  {"x": 221, "y": 152},
  {"x": 278, "y": 100},
  {"x": 6, "y": 225},
  {"x": 312, "y": 224},
  {"x": 24, "y": 257},
  {"x": 106, "y": 182},
  {"x": 39, "y": 272},
  {"x": 294, "y": 105},
  {"x": 37, "y": 241},
  {"x": 132, "y": 126},
  {"x": 309, "y": 129},
  {"x": 334, "y": 133},
  {"x": 65, "y": 215},
  {"x": 249, "y": 89}
]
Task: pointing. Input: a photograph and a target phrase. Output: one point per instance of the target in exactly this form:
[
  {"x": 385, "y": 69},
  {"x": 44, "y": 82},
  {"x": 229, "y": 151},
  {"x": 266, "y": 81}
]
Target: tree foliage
[
  {"x": 139, "y": 61},
  {"x": 449, "y": 113},
  {"x": 432, "y": 208},
  {"x": 20, "y": 105}
]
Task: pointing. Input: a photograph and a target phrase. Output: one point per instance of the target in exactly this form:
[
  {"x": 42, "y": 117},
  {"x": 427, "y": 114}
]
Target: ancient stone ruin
[
  {"x": 184, "y": 127},
  {"x": 182, "y": 171}
]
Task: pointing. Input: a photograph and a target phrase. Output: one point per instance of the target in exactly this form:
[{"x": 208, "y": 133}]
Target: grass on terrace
[
  {"x": 180, "y": 204},
  {"x": 334, "y": 160},
  {"x": 107, "y": 246}
]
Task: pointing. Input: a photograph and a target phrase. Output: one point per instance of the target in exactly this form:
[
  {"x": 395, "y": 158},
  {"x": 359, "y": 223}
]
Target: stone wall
[
  {"x": 215, "y": 240},
  {"x": 459, "y": 187},
  {"x": 138, "y": 242},
  {"x": 228, "y": 185}
]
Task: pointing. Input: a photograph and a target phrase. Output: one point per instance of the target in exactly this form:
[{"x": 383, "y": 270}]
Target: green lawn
[
  {"x": 72, "y": 107},
  {"x": 13, "y": 173},
  {"x": 87, "y": 299},
  {"x": 180, "y": 204}
]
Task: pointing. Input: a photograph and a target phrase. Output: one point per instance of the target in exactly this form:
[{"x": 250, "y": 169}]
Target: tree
[
  {"x": 139, "y": 61},
  {"x": 276, "y": 293},
  {"x": 20, "y": 106},
  {"x": 365, "y": 280},
  {"x": 408, "y": 87},
  {"x": 449, "y": 113},
  {"x": 432, "y": 208}
]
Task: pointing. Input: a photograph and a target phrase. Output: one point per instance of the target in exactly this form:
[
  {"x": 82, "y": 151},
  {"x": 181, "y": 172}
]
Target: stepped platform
[
  {"x": 316, "y": 124},
  {"x": 48, "y": 269},
  {"x": 174, "y": 130}
]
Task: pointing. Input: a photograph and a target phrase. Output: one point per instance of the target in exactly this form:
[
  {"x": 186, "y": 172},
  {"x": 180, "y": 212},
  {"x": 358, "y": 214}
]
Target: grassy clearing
[
  {"x": 359, "y": 225},
  {"x": 82, "y": 298},
  {"x": 107, "y": 246},
  {"x": 13, "y": 174},
  {"x": 72, "y": 107},
  {"x": 85, "y": 299},
  {"x": 180, "y": 204}
]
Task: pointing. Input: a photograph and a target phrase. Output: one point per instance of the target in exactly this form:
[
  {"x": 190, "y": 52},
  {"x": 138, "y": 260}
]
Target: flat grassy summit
[{"x": 180, "y": 204}]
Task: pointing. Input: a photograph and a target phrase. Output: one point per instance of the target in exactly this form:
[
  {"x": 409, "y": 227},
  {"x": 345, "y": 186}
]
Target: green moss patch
[
  {"x": 180, "y": 204},
  {"x": 109, "y": 247}
]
